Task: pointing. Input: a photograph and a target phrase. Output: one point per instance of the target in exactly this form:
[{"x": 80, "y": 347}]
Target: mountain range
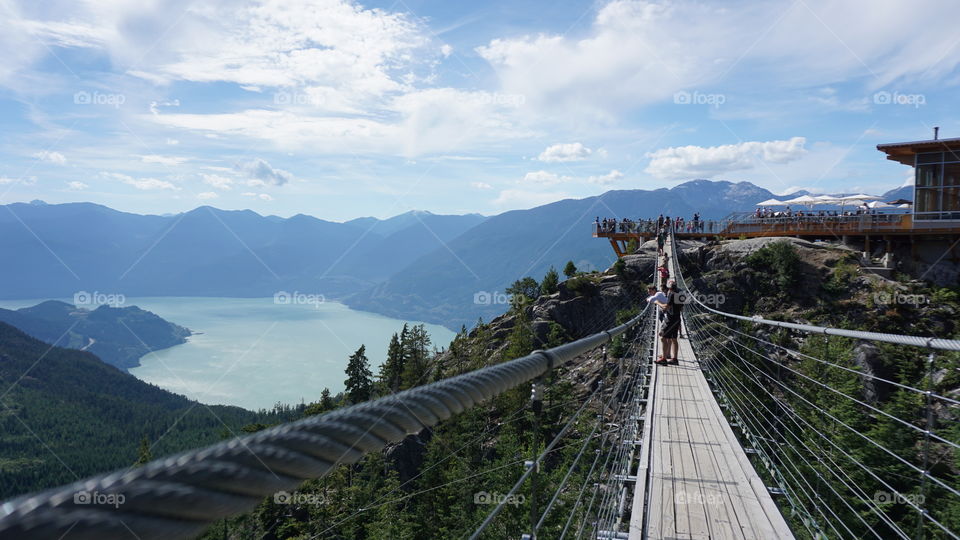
[{"x": 435, "y": 268}]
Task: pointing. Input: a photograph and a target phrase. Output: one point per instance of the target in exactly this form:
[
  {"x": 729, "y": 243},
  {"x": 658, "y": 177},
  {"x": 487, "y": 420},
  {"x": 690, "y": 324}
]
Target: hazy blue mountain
[
  {"x": 439, "y": 287},
  {"x": 902, "y": 192},
  {"x": 59, "y": 250},
  {"x": 118, "y": 335}
]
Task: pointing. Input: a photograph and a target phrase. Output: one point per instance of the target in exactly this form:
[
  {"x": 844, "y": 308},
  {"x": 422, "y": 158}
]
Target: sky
[{"x": 343, "y": 109}]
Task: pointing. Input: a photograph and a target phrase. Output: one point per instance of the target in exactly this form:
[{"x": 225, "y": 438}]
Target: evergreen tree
[
  {"x": 523, "y": 291},
  {"x": 416, "y": 357},
  {"x": 392, "y": 370},
  {"x": 550, "y": 281},
  {"x": 143, "y": 452},
  {"x": 570, "y": 269},
  {"x": 326, "y": 402},
  {"x": 359, "y": 383}
]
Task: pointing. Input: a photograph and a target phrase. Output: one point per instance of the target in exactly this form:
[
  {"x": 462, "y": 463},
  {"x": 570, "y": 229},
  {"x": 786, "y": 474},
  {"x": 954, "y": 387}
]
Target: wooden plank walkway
[{"x": 694, "y": 475}]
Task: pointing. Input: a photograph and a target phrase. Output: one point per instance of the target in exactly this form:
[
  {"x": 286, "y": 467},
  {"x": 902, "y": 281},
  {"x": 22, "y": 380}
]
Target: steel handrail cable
[
  {"x": 859, "y": 496},
  {"x": 900, "y": 339},
  {"x": 180, "y": 495},
  {"x": 936, "y": 480}
]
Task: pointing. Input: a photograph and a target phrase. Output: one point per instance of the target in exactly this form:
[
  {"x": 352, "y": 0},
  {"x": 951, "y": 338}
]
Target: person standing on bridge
[{"x": 671, "y": 326}]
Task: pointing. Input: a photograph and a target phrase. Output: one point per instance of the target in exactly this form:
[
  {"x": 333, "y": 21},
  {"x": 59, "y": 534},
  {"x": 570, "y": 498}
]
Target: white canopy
[
  {"x": 771, "y": 202},
  {"x": 827, "y": 199},
  {"x": 804, "y": 199},
  {"x": 878, "y": 204}
]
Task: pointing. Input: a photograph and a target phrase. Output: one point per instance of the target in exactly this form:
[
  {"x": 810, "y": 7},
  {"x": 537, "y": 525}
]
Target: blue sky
[{"x": 343, "y": 109}]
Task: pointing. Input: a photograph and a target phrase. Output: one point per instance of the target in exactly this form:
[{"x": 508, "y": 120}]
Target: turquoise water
[{"x": 254, "y": 353}]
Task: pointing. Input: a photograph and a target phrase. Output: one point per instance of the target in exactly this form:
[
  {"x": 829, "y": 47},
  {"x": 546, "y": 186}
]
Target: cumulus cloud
[
  {"x": 261, "y": 196},
  {"x": 222, "y": 183},
  {"x": 683, "y": 162},
  {"x": 168, "y": 161},
  {"x": 207, "y": 195},
  {"x": 52, "y": 157},
  {"x": 563, "y": 152},
  {"x": 480, "y": 185},
  {"x": 605, "y": 179},
  {"x": 77, "y": 186},
  {"x": 543, "y": 177},
  {"x": 446, "y": 50},
  {"x": 260, "y": 173},
  {"x": 144, "y": 184}
]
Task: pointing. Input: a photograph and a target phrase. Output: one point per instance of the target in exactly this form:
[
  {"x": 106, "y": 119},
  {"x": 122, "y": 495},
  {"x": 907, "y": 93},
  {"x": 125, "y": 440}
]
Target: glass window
[
  {"x": 951, "y": 174},
  {"x": 952, "y": 155},
  {"x": 934, "y": 157},
  {"x": 928, "y": 175},
  {"x": 951, "y": 199},
  {"x": 928, "y": 200}
]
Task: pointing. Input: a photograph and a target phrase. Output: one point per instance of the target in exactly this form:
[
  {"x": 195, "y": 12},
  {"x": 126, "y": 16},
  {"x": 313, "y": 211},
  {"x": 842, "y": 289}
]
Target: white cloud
[
  {"x": 685, "y": 162},
  {"x": 563, "y": 152},
  {"x": 265, "y": 197},
  {"x": 168, "y": 161},
  {"x": 260, "y": 173},
  {"x": 446, "y": 50},
  {"x": 77, "y": 186},
  {"x": 480, "y": 185},
  {"x": 145, "y": 184},
  {"x": 173, "y": 142},
  {"x": 543, "y": 177},
  {"x": 604, "y": 179},
  {"x": 217, "y": 181},
  {"x": 261, "y": 196},
  {"x": 207, "y": 195},
  {"x": 52, "y": 157}
]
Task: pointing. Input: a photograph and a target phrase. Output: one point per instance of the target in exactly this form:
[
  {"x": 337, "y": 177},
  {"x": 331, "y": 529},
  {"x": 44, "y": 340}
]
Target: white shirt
[{"x": 658, "y": 297}]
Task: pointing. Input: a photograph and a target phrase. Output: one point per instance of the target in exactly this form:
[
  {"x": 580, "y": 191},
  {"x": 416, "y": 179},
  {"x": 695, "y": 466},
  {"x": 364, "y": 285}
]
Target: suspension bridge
[{"x": 735, "y": 441}]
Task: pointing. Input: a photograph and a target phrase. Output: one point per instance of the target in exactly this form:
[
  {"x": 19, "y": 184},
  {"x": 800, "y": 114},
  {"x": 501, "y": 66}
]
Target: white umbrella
[
  {"x": 805, "y": 200},
  {"x": 827, "y": 199},
  {"x": 878, "y": 204},
  {"x": 771, "y": 202}
]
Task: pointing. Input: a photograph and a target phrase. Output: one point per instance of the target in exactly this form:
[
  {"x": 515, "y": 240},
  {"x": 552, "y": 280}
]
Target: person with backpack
[{"x": 670, "y": 329}]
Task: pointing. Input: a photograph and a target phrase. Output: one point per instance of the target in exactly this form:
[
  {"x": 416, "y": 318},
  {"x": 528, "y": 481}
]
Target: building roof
[{"x": 903, "y": 152}]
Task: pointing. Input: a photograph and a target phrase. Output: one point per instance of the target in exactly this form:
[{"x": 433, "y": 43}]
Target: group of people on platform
[{"x": 653, "y": 226}]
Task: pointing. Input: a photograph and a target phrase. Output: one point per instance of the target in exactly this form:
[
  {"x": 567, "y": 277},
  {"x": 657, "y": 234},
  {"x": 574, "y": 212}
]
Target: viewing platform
[{"x": 883, "y": 226}]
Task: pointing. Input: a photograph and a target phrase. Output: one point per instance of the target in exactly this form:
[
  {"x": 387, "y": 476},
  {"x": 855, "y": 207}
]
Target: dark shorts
[{"x": 671, "y": 327}]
